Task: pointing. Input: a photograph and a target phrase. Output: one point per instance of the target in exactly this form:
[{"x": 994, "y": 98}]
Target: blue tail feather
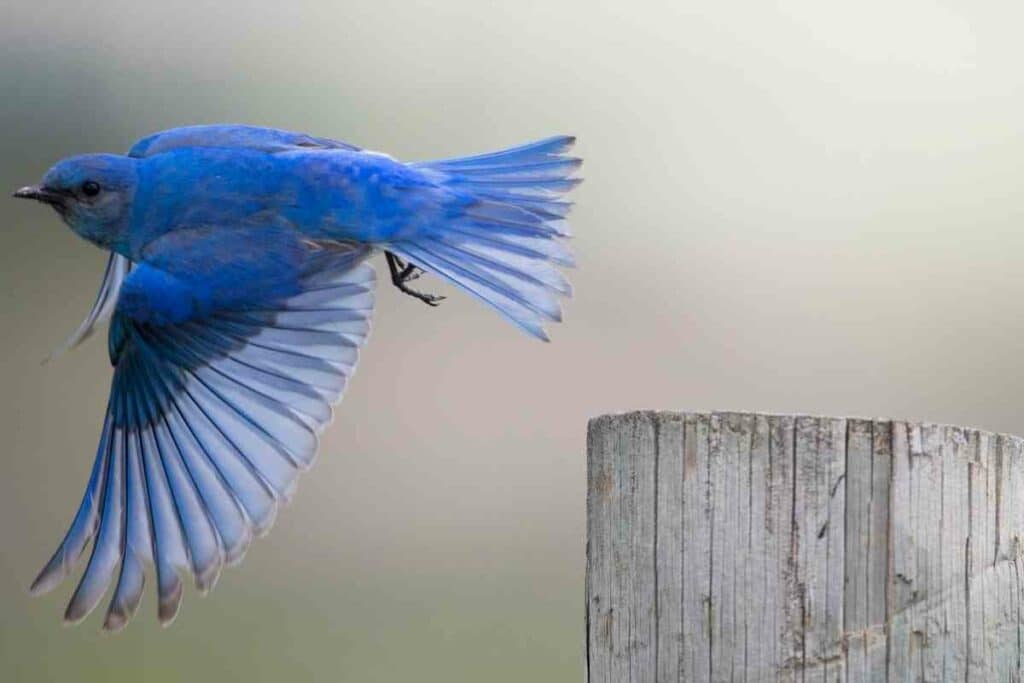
[
  {"x": 505, "y": 242},
  {"x": 531, "y": 152}
]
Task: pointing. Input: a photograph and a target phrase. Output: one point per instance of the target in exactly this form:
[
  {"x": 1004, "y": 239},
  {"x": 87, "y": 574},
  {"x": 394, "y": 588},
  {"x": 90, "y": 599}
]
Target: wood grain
[{"x": 746, "y": 547}]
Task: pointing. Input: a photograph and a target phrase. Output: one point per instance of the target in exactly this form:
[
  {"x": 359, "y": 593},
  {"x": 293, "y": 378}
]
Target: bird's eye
[{"x": 90, "y": 188}]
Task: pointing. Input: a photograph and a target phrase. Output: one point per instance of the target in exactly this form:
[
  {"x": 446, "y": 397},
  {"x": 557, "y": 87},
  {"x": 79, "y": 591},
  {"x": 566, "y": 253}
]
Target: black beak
[{"x": 40, "y": 194}]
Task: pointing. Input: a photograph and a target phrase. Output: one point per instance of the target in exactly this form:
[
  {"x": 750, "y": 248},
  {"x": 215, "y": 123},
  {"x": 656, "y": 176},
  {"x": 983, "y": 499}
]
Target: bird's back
[{"x": 323, "y": 193}]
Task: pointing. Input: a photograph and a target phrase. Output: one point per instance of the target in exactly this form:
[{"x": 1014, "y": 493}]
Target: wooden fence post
[{"x": 735, "y": 547}]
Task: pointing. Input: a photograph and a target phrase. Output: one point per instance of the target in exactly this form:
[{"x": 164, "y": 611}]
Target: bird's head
[{"x": 93, "y": 194}]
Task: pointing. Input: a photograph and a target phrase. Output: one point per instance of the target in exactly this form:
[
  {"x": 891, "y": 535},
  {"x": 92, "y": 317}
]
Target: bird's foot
[{"x": 403, "y": 273}]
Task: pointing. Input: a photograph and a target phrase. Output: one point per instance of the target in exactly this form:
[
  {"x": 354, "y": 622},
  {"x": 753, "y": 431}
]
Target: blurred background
[{"x": 798, "y": 206}]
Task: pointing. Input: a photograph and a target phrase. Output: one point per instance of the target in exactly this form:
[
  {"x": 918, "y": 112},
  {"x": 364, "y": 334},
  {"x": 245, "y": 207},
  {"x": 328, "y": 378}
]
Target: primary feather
[{"x": 209, "y": 425}]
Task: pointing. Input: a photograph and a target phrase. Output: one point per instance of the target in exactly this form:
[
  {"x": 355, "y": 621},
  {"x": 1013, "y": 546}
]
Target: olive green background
[{"x": 795, "y": 206}]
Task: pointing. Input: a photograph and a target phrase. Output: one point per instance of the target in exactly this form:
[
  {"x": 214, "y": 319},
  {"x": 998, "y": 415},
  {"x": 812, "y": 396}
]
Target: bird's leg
[
  {"x": 410, "y": 272},
  {"x": 402, "y": 272}
]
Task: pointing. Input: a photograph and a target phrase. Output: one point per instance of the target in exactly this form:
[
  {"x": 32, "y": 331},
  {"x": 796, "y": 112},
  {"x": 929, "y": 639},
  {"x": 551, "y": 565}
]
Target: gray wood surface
[{"x": 742, "y": 547}]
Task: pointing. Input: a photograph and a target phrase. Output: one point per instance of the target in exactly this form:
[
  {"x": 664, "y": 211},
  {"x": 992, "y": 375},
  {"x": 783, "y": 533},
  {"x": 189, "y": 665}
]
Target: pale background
[{"x": 795, "y": 206}]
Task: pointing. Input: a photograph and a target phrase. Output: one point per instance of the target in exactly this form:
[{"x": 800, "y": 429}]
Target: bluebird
[{"x": 239, "y": 296}]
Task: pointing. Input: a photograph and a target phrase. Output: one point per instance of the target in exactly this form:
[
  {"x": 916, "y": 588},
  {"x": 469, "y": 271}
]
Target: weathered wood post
[{"x": 728, "y": 546}]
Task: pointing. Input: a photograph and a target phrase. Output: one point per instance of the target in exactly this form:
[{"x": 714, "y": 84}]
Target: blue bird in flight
[{"x": 239, "y": 296}]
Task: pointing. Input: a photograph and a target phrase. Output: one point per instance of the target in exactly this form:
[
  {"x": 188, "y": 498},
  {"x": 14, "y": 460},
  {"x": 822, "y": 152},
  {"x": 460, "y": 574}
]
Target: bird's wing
[
  {"x": 224, "y": 258},
  {"x": 229, "y": 136},
  {"x": 210, "y": 420},
  {"x": 117, "y": 270}
]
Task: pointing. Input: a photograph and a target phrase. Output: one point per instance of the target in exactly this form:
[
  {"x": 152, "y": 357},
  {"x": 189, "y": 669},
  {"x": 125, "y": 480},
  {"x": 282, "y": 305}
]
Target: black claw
[
  {"x": 402, "y": 273},
  {"x": 428, "y": 299}
]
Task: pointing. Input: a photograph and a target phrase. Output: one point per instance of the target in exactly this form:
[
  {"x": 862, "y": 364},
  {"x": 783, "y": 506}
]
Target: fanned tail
[{"x": 505, "y": 241}]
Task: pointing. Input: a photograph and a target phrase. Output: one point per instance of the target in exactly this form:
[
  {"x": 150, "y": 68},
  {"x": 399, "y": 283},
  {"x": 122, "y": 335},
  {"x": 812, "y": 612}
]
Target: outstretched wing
[
  {"x": 232, "y": 135},
  {"x": 211, "y": 418}
]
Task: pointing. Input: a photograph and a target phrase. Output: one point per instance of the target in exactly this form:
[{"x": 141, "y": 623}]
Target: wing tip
[
  {"x": 76, "y": 613},
  {"x": 236, "y": 553},
  {"x": 206, "y": 579},
  {"x": 116, "y": 620},
  {"x": 169, "y": 605},
  {"x": 48, "y": 578},
  {"x": 121, "y": 612}
]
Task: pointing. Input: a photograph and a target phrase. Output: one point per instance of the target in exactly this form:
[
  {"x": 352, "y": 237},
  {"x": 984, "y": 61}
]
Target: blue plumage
[{"x": 239, "y": 298}]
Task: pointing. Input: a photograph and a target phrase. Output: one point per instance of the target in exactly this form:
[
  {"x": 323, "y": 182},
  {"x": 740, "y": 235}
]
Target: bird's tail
[{"x": 505, "y": 241}]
